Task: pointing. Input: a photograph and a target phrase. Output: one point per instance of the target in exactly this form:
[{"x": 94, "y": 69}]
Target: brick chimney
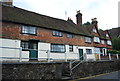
[
  {"x": 79, "y": 18},
  {"x": 94, "y": 22},
  {"x": 6, "y": 2}
]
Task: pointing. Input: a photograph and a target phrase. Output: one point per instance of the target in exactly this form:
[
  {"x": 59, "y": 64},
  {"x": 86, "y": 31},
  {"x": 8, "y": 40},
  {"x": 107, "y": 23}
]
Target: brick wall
[{"x": 13, "y": 31}]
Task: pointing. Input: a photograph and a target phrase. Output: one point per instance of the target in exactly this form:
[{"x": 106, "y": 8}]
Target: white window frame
[
  {"x": 71, "y": 48},
  {"x": 88, "y": 51},
  {"x": 58, "y": 48},
  {"x": 109, "y": 42},
  {"x": 107, "y": 35},
  {"x": 28, "y": 30},
  {"x": 57, "y": 33},
  {"x": 94, "y": 30},
  {"x": 69, "y": 35},
  {"x": 102, "y": 42},
  {"x": 97, "y": 39},
  {"x": 87, "y": 39}
]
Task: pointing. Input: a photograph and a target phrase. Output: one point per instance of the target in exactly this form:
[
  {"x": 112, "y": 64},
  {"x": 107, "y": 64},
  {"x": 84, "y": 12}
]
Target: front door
[
  {"x": 80, "y": 54},
  {"x": 33, "y": 55}
]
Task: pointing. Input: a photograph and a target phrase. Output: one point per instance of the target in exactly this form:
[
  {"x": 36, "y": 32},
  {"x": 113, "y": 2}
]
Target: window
[
  {"x": 69, "y": 35},
  {"x": 107, "y": 35},
  {"x": 88, "y": 51},
  {"x": 25, "y": 45},
  {"x": 109, "y": 42},
  {"x": 87, "y": 39},
  {"x": 96, "y": 39},
  {"x": 97, "y": 50},
  {"x": 102, "y": 41},
  {"x": 57, "y": 48},
  {"x": 94, "y": 30},
  {"x": 57, "y": 33},
  {"x": 28, "y": 30},
  {"x": 70, "y": 48}
]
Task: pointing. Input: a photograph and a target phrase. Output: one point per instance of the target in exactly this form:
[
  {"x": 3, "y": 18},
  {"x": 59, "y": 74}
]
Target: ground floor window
[
  {"x": 57, "y": 48},
  {"x": 70, "y": 48},
  {"x": 25, "y": 45},
  {"x": 88, "y": 51}
]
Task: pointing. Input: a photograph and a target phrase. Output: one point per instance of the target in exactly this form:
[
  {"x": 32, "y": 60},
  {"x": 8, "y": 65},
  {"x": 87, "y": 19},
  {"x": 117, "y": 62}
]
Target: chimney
[
  {"x": 95, "y": 22},
  {"x": 7, "y": 2},
  {"x": 79, "y": 18}
]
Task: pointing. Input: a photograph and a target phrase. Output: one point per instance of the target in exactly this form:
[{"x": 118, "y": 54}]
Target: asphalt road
[{"x": 114, "y": 76}]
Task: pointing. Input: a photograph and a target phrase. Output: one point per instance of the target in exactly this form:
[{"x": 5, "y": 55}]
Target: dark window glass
[
  {"x": 25, "y": 45},
  {"x": 70, "y": 48},
  {"x": 69, "y": 35},
  {"x": 57, "y": 48},
  {"x": 57, "y": 33},
  {"x": 88, "y": 51}
]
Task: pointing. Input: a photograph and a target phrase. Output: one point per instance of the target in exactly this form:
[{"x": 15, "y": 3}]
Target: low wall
[{"x": 55, "y": 70}]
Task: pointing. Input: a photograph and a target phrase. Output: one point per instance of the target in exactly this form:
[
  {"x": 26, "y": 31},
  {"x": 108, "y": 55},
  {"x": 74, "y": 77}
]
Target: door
[
  {"x": 33, "y": 55},
  {"x": 81, "y": 54}
]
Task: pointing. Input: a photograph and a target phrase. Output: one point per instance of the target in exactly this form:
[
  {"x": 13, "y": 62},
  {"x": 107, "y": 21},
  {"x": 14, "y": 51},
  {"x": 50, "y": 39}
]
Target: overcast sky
[{"x": 106, "y": 11}]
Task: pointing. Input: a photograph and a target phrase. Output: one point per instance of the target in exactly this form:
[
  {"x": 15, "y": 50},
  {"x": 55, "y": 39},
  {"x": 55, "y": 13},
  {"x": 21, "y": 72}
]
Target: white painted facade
[{"x": 42, "y": 51}]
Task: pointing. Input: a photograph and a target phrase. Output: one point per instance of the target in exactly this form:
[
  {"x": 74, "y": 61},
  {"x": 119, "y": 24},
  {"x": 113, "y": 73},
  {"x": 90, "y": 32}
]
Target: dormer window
[
  {"x": 94, "y": 30},
  {"x": 107, "y": 35},
  {"x": 96, "y": 39},
  {"x": 102, "y": 41},
  {"x": 109, "y": 42}
]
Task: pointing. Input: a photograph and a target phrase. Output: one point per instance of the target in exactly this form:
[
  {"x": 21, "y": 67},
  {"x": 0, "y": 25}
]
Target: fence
[{"x": 18, "y": 55}]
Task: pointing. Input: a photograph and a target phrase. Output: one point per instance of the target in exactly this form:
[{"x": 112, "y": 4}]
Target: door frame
[
  {"x": 80, "y": 54},
  {"x": 31, "y": 43}
]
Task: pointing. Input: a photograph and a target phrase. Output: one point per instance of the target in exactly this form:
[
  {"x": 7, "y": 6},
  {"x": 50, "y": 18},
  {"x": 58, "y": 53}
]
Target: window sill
[
  {"x": 57, "y": 52},
  {"x": 88, "y": 42},
  {"x": 28, "y": 34}
]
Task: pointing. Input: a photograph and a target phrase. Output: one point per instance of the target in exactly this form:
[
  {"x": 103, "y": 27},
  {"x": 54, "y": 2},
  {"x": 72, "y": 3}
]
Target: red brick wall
[{"x": 13, "y": 31}]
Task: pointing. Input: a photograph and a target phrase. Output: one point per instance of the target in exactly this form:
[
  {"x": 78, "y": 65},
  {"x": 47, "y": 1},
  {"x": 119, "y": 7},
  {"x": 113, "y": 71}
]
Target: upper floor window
[
  {"x": 107, "y": 35},
  {"x": 102, "y": 41},
  {"x": 69, "y": 35},
  {"x": 57, "y": 33},
  {"x": 88, "y": 51},
  {"x": 57, "y": 48},
  {"x": 28, "y": 30},
  {"x": 70, "y": 48},
  {"x": 94, "y": 30},
  {"x": 97, "y": 39},
  {"x": 109, "y": 42},
  {"x": 87, "y": 39}
]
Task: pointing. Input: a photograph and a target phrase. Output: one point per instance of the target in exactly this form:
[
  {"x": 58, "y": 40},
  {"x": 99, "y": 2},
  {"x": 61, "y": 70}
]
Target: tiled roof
[
  {"x": 115, "y": 32},
  {"x": 18, "y": 15}
]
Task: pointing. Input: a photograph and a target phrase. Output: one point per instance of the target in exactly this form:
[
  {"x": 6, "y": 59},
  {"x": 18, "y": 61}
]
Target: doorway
[{"x": 81, "y": 54}]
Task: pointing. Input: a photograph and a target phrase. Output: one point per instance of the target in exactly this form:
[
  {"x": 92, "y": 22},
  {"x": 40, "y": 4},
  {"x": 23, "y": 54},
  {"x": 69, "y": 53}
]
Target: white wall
[
  {"x": 88, "y": 56},
  {"x": 10, "y": 52},
  {"x": 25, "y": 55},
  {"x": 69, "y": 55}
]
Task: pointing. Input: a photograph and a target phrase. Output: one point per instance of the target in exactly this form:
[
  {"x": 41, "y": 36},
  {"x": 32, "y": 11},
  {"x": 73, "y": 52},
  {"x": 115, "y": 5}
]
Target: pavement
[{"x": 113, "y": 76}]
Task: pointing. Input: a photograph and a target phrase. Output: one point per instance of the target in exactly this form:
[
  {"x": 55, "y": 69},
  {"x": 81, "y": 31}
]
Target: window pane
[
  {"x": 57, "y": 48},
  {"x": 25, "y": 45}
]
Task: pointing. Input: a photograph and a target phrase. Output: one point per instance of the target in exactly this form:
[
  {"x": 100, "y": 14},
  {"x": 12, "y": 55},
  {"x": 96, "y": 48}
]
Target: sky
[{"x": 106, "y": 11}]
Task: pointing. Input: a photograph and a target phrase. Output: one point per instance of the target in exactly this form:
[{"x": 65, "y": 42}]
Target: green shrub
[{"x": 113, "y": 52}]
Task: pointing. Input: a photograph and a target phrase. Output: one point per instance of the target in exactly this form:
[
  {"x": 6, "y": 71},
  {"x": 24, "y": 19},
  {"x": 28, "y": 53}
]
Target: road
[{"x": 113, "y": 76}]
